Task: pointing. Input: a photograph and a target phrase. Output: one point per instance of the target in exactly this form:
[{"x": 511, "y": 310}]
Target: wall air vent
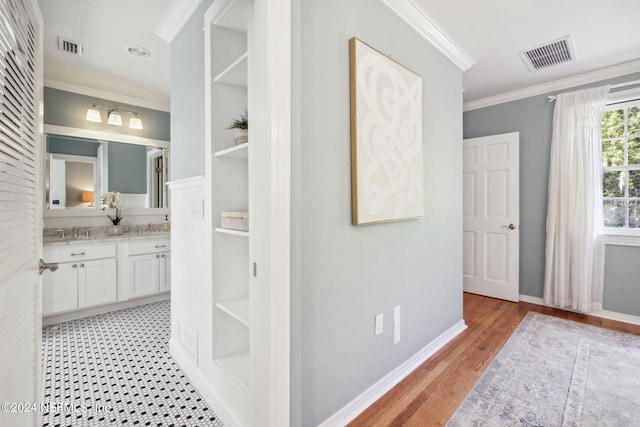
[
  {"x": 69, "y": 46},
  {"x": 549, "y": 54}
]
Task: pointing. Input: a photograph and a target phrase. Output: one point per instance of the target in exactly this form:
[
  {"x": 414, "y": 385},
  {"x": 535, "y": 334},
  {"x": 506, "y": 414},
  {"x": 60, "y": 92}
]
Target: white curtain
[{"x": 574, "y": 270}]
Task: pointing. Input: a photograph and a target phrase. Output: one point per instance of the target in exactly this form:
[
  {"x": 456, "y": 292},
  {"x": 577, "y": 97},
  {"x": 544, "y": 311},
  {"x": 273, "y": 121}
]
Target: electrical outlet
[{"x": 379, "y": 322}]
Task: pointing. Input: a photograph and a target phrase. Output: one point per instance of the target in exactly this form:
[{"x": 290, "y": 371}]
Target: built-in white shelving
[
  {"x": 232, "y": 232},
  {"x": 233, "y": 16},
  {"x": 229, "y": 99},
  {"x": 235, "y": 74},
  {"x": 238, "y": 366},
  {"x": 238, "y": 152},
  {"x": 237, "y": 308}
]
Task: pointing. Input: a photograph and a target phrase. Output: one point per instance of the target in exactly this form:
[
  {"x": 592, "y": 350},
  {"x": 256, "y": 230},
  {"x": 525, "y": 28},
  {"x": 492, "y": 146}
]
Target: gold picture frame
[{"x": 387, "y": 147}]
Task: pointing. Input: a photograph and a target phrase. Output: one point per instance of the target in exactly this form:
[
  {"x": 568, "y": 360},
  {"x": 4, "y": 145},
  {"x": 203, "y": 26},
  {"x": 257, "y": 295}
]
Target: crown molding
[
  {"x": 176, "y": 18},
  {"x": 569, "y": 82},
  {"x": 416, "y": 17},
  {"x": 111, "y": 96}
]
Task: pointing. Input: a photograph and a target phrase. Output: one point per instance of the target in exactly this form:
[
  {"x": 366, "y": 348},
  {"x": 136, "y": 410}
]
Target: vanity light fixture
[
  {"x": 114, "y": 116},
  {"x": 135, "y": 122},
  {"x": 93, "y": 115}
]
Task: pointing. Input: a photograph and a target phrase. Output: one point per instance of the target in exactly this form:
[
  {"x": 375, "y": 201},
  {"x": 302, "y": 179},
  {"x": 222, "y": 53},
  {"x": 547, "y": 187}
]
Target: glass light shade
[
  {"x": 115, "y": 118},
  {"x": 135, "y": 123},
  {"x": 93, "y": 115}
]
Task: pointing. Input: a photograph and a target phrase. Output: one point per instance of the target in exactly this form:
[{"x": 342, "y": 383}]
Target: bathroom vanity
[{"x": 102, "y": 273}]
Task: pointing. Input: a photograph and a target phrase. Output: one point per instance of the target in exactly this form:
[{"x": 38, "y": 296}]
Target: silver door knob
[
  {"x": 510, "y": 226},
  {"x": 42, "y": 266}
]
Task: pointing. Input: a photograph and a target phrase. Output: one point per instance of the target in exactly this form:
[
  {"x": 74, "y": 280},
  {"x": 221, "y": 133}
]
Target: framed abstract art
[{"x": 387, "y": 148}]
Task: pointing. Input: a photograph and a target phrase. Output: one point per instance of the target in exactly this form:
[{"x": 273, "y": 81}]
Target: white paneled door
[
  {"x": 491, "y": 216},
  {"x": 20, "y": 212}
]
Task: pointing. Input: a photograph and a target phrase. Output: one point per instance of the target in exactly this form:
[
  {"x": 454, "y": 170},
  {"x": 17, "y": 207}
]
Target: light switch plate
[
  {"x": 396, "y": 315},
  {"x": 197, "y": 208},
  {"x": 379, "y": 322}
]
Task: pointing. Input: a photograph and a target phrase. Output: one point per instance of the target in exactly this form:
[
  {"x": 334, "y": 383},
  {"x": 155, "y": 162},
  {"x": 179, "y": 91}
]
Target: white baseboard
[
  {"x": 354, "y": 408},
  {"x": 195, "y": 375},
  {"x": 611, "y": 315}
]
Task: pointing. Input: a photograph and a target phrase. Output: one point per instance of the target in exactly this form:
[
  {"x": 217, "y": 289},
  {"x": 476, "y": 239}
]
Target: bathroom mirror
[{"x": 82, "y": 165}]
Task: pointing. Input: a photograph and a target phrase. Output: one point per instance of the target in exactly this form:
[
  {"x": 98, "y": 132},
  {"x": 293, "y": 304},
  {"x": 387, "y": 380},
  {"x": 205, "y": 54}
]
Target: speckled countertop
[{"x": 101, "y": 238}]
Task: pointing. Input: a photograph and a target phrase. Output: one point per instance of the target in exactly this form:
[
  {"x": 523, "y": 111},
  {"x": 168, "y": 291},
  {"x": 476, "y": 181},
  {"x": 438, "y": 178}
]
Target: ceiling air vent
[
  {"x": 69, "y": 46},
  {"x": 550, "y": 54}
]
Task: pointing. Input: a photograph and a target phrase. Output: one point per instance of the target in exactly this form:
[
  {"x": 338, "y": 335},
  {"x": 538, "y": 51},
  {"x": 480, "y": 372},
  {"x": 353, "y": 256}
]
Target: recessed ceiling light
[{"x": 138, "y": 51}]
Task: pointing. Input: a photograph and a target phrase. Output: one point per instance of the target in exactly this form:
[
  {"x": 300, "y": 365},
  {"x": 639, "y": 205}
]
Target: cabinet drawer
[
  {"x": 79, "y": 252},
  {"x": 149, "y": 247}
]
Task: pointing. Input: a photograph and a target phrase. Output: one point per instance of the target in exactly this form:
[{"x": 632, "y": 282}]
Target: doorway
[{"x": 491, "y": 206}]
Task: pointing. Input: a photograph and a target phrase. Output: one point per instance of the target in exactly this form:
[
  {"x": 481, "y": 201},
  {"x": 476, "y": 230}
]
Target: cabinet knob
[
  {"x": 162, "y": 255},
  {"x": 81, "y": 265},
  {"x": 74, "y": 265},
  {"x": 157, "y": 256}
]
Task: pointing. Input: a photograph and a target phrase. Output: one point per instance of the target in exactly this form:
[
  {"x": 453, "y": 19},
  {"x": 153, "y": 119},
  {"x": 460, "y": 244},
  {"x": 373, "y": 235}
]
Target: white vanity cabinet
[
  {"x": 149, "y": 267},
  {"x": 86, "y": 277}
]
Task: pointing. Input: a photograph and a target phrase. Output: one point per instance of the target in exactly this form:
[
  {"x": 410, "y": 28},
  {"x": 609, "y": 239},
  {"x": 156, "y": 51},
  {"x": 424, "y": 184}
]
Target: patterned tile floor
[{"x": 115, "y": 369}]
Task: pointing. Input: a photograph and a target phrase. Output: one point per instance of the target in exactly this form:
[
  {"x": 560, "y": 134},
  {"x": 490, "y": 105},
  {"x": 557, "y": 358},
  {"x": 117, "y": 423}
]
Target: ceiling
[
  {"x": 104, "y": 28},
  {"x": 491, "y": 32}
]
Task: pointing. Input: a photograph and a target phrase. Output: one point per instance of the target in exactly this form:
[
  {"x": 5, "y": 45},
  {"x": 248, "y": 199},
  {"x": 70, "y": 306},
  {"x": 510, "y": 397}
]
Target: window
[{"x": 621, "y": 161}]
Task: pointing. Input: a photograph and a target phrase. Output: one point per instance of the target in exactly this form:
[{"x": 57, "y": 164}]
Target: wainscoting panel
[
  {"x": 188, "y": 267},
  {"x": 189, "y": 339}
]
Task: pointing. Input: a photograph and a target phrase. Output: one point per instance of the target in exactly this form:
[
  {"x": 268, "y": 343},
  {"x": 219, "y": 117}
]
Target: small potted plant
[
  {"x": 242, "y": 124},
  {"x": 113, "y": 199}
]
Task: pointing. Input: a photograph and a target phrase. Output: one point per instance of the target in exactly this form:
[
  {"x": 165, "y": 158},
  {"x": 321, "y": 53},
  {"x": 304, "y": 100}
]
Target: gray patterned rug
[{"x": 555, "y": 372}]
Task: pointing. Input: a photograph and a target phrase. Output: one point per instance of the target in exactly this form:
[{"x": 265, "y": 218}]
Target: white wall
[{"x": 342, "y": 275}]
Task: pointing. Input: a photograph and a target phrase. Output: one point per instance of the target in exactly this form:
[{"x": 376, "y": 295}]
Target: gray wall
[
  {"x": 187, "y": 98},
  {"x": 70, "y": 109},
  {"x": 342, "y": 275},
  {"x": 75, "y": 146},
  {"x": 127, "y": 168},
  {"x": 533, "y": 118}
]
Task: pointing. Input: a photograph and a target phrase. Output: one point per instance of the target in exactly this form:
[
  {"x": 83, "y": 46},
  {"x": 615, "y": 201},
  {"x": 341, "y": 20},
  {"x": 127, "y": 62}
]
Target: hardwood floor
[{"x": 432, "y": 393}]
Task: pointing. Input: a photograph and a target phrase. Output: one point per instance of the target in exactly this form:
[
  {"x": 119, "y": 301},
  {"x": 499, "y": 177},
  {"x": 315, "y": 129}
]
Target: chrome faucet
[
  {"x": 75, "y": 231},
  {"x": 149, "y": 228},
  {"x": 87, "y": 232}
]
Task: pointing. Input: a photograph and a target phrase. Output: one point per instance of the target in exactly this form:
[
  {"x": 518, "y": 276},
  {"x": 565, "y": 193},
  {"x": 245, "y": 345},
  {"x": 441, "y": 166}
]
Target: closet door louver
[{"x": 18, "y": 137}]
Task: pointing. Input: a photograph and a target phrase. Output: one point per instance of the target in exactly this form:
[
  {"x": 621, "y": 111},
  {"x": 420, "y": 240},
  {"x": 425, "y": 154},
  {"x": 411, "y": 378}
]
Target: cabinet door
[
  {"x": 143, "y": 275},
  {"x": 164, "y": 268},
  {"x": 96, "y": 282},
  {"x": 60, "y": 289}
]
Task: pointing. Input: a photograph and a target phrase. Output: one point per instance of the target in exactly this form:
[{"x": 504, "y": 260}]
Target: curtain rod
[{"x": 615, "y": 86}]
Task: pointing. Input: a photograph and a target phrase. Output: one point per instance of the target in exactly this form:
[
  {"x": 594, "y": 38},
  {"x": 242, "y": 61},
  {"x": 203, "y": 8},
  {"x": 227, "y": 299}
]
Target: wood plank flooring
[{"x": 432, "y": 393}]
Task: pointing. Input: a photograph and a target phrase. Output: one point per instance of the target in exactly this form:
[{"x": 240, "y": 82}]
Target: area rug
[{"x": 555, "y": 372}]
